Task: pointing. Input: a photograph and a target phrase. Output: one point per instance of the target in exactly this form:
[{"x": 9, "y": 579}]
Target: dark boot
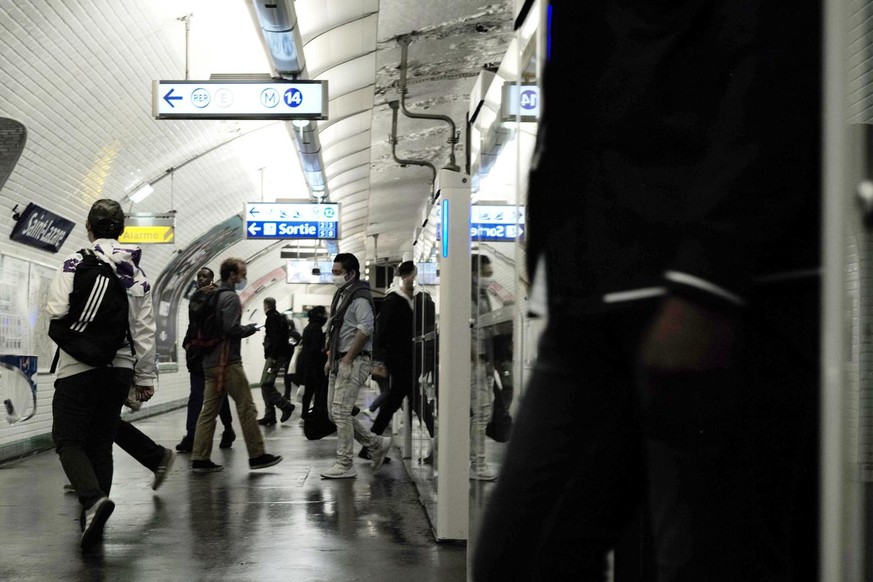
[
  {"x": 227, "y": 438},
  {"x": 287, "y": 409},
  {"x": 269, "y": 418}
]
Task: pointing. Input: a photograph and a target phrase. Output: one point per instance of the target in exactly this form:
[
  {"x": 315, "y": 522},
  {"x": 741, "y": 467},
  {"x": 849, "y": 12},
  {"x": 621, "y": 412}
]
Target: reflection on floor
[{"x": 282, "y": 523}]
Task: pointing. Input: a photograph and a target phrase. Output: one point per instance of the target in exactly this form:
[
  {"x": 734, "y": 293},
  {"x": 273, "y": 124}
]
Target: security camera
[{"x": 316, "y": 271}]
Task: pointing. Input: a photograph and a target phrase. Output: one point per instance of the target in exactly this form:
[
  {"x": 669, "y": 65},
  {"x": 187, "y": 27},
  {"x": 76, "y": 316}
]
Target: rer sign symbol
[{"x": 293, "y": 97}]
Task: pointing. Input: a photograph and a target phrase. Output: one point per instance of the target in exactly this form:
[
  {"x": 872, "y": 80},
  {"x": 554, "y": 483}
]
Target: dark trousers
[
  {"x": 722, "y": 467},
  {"x": 402, "y": 385},
  {"x": 195, "y": 403},
  {"x": 86, "y": 409},
  {"x": 138, "y": 445},
  {"x": 272, "y": 398}
]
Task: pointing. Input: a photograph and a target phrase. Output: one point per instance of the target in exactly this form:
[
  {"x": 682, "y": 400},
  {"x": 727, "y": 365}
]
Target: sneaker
[
  {"x": 163, "y": 468},
  {"x": 428, "y": 460},
  {"x": 369, "y": 413},
  {"x": 264, "y": 461},
  {"x": 68, "y": 488},
  {"x": 227, "y": 438},
  {"x": 286, "y": 412},
  {"x": 483, "y": 472},
  {"x": 267, "y": 421},
  {"x": 185, "y": 446},
  {"x": 379, "y": 456},
  {"x": 337, "y": 471},
  {"x": 206, "y": 466},
  {"x": 365, "y": 454},
  {"x": 95, "y": 519}
]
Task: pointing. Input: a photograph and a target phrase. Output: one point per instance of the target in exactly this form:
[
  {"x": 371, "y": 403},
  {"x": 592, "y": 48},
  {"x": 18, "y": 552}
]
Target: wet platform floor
[{"x": 281, "y": 523}]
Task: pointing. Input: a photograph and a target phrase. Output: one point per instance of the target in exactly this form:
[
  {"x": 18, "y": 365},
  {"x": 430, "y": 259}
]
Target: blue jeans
[
  {"x": 86, "y": 409},
  {"x": 342, "y": 393}
]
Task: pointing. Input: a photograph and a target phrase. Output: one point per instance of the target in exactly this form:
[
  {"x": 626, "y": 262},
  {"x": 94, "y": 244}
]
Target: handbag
[{"x": 499, "y": 427}]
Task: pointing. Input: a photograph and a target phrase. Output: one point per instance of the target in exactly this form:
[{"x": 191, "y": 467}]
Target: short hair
[
  {"x": 106, "y": 218},
  {"x": 477, "y": 262},
  {"x": 208, "y": 270},
  {"x": 318, "y": 312},
  {"x": 270, "y": 302},
  {"x": 230, "y": 266},
  {"x": 349, "y": 263},
  {"x": 406, "y": 268}
]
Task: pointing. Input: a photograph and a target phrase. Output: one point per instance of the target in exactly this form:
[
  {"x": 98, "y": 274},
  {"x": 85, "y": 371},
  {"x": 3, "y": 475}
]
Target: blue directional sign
[
  {"x": 239, "y": 99},
  {"x": 289, "y": 220},
  {"x": 491, "y": 223}
]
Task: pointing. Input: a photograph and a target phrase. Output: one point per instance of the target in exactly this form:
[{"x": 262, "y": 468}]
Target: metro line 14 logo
[
  {"x": 293, "y": 97},
  {"x": 529, "y": 100}
]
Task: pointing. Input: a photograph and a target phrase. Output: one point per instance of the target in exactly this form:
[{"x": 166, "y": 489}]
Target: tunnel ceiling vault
[{"x": 78, "y": 75}]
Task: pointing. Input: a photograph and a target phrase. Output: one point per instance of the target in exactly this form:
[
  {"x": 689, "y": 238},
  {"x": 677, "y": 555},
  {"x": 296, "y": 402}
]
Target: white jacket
[{"x": 125, "y": 260}]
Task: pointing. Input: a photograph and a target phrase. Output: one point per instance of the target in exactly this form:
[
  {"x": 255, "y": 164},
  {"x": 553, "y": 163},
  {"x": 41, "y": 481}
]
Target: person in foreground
[
  {"x": 224, "y": 372},
  {"x": 672, "y": 412},
  {"x": 86, "y": 406},
  {"x": 350, "y": 341}
]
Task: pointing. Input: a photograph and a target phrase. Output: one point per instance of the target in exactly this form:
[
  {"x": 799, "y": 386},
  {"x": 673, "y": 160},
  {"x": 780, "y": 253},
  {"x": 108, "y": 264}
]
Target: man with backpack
[
  {"x": 222, "y": 365},
  {"x": 277, "y": 354},
  {"x": 194, "y": 363},
  {"x": 102, "y": 320}
]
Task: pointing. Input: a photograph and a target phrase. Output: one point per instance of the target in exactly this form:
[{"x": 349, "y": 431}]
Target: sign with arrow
[
  {"x": 277, "y": 99},
  {"x": 492, "y": 222},
  {"x": 290, "y": 220}
]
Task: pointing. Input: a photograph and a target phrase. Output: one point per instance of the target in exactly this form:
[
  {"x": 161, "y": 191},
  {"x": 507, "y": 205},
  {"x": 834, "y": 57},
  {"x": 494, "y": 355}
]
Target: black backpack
[
  {"x": 97, "y": 325},
  {"x": 203, "y": 317}
]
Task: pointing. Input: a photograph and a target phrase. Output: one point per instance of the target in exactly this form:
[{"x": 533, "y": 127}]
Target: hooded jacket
[{"x": 124, "y": 259}]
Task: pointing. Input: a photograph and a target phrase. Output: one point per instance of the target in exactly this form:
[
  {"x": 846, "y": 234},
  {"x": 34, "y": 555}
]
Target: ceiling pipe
[
  {"x": 403, "y": 41},
  {"x": 394, "y": 106},
  {"x": 277, "y": 20}
]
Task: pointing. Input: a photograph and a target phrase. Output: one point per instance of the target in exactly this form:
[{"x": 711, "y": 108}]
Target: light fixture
[{"x": 140, "y": 193}]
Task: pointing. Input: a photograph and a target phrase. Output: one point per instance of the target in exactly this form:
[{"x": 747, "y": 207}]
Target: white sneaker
[
  {"x": 337, "y": 471},
  {"x": 95, "y": 520},
  {"x": 482, "y": 472},
  {"x": 378, "y": 456}
]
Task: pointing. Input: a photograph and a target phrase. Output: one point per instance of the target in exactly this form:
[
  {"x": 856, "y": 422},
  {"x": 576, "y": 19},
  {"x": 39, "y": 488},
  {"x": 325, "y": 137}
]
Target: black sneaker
[
  {"x": 95, "y": 520},
  {"x": 264, "y": 461},
  {"x": 364, "y": 454},
  {"x": 267, "y": 421},
  {"x": 227, "y": 438},
  {"x": 206, "y": 466},
  {"x": 185, "y": 446},
  {"x": 286, "y": 412},
  {"x": 163, "y": 469}
]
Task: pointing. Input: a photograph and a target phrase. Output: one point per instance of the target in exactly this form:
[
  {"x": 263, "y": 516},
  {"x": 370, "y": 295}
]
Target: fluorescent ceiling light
[{"x": 141, "y": 193}]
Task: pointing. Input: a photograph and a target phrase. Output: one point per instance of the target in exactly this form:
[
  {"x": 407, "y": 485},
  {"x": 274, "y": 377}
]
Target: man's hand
[
  {"x": 144, "y": 393},
  {"x": 688, "y": 337}
]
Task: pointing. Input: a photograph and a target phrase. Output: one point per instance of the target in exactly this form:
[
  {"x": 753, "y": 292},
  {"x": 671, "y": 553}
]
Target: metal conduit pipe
[
  {"x": 394, "y": 106},
  {"x": 403, "y": 41}
]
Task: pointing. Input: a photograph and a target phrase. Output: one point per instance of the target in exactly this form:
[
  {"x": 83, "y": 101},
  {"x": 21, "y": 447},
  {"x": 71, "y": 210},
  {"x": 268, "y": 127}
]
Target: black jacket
[
  {"x": 392, "y": 340},
  {"x": 694, "y": 166},
  {"x": 276, "y": 330}
]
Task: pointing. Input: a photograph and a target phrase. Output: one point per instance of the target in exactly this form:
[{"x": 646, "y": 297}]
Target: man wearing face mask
[
  {"x": 349, "y": 341},
  {"x": 223, "y": 370},
  {"x": 482, "y": 378}
]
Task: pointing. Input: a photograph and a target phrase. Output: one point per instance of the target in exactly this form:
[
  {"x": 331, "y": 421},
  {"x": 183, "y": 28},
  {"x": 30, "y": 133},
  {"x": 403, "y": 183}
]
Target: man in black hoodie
[{"x": 277, "y": 354}]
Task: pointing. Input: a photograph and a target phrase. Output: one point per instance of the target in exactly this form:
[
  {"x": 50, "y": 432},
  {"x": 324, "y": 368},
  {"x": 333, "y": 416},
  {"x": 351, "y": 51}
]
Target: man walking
[
  {"x": 87, "y": 402},
  {"x": 349, "y": 337},
  {"x": 194, "y": 363},
  {"x": 277, "y": 354},
  {"x": 224, "y": 371}
]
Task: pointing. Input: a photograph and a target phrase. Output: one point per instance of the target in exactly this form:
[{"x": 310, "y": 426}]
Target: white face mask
[
  {"x": 484, "y": 282},
  {"x": 241, "y": 284},
  {"x": 339, "y": 280}
]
